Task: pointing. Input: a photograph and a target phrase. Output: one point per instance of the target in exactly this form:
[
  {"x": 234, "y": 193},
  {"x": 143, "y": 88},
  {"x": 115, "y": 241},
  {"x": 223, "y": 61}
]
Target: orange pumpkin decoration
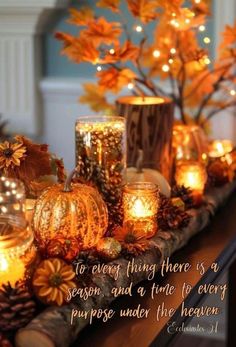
[{"x": 73, "y": 211}]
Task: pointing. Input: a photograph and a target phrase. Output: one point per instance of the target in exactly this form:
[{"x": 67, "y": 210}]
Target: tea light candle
[
  {"x": 16, "y": 252},
  {"x": 192, "y": 175},
  {"x": 219, "y": 148},
  {"x": 140, "y": 202}
]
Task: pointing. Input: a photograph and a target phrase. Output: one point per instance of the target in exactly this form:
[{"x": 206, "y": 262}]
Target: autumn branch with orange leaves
[{"x": 171, "y": 63}]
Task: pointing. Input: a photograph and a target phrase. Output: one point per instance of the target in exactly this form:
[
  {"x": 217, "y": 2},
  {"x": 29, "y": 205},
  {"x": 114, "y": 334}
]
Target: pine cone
[
  {"x": 84, "y": 168},
  {"x": 170, "y": 217},
  {"x": 87, "y": 258},
  {"x": 183, "y": 193},
  {"x": 218, "y": 173},
  {"x": 16, "y": 306},
  {"x": 4, "y": 342}
]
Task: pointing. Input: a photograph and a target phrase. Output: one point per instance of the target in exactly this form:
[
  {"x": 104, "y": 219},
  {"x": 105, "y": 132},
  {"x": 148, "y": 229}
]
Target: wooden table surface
[{"x": 216, "y": 242}]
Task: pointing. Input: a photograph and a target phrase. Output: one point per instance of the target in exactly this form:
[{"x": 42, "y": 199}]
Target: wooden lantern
[{"x": 149, "y": 127}]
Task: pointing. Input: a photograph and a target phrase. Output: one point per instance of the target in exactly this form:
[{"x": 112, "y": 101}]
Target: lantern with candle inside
[
  {"x": 12, "y": 197},
  {"x": 140, "y": 203},
  {"x": 17, "y": 252},
  {"x": 101, "y": 151},
  {"x": 149, "y": 127},
  {"x": 192, "y": 175}
]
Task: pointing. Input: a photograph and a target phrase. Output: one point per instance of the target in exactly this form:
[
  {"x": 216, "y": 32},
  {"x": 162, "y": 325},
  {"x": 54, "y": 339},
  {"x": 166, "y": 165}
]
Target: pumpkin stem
[
  {"x": 67, "y": 185},
  {"x": 139, "y": 162}
]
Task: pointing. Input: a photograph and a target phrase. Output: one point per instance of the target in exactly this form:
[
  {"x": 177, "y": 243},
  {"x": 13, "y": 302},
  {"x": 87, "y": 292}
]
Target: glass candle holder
[
  {"x": 192, "y": 175},
  {"x": 17, "y": 252},
  {"x": 189, "y": 143},
  {"x": 101, "y": 151},
  {"x": 12, "y": 197},
  {"x": 219, "y": 148},
  {"x": 140, "y": 203}
]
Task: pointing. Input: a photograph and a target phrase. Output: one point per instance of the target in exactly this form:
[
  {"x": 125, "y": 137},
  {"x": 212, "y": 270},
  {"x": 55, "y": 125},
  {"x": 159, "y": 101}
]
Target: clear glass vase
[
  {"x": 101, "y": 152},
  {"x": 17, "y": 251}
]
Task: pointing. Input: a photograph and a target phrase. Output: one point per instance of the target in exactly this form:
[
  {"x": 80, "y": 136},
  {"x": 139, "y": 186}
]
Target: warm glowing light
[
  {"x": 138, "y": 210},
  {"x": 197, "y": 1},
  {"x": 202, "y": 28},
  {"x": 207, "y": 40},
  {"x": 232, "y": 92},
  {"x": 173, "y": 14},
  {"x": 4, "y": 209},
  {"x": 140, "y": 203},
  {"x": 11, "y": 270},
  {"x": 192, "y": 175},
  {"x": 99, "y": 68},
  {"x": 170, "y": 61},
  {"x": 173, "y": 50},
  {"x": 187, "y": 20},
  {"x": 165, "y": 68},
  {"x": 218, "y": 148},
  {"x": 130, "y": 85},
  {"x": 112, "y": 51},
  {"x": 156, "y": 53},
  {"x": 138, "y": 28},
  {"x": 174, "y": 23},
  {"x": 207, "y": 61}
]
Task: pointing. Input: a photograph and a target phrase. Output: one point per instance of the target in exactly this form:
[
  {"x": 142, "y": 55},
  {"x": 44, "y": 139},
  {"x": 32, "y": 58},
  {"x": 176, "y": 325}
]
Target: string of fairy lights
[{"x": 157, "y": 53}]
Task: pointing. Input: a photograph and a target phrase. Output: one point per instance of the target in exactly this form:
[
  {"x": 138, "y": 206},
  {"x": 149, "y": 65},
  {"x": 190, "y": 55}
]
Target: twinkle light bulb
[
  {"x": 207, "y": 61},
  {"x": 187, "y": 20},
  {"x": 130, "y": 85},
  {"x": 207, "y": 40},
  {"x": 138, "y": 28},
  {"x": 173, "y": 50},
  {"x": 202, "y": 28},
  {"x": 232, "y": 92},
  {"x": 112, "y": 51},
  {"x": 165, "y": 68},
  {"x": 197, "y": 1},
  {"x": 170, "y": 61},
  {"x": 156, "y": 53},
  {"x": 99, "y": 68}
]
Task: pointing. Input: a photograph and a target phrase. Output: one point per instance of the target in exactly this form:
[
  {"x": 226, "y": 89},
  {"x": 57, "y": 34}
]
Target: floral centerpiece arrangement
[{"x": 174, "y": 60}]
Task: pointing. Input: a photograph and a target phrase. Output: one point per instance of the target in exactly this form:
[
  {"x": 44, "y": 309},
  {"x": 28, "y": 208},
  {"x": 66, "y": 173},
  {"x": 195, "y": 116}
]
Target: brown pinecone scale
[
  {"x": 183, "y": 193},
  {"x": 17, "y": 307},
  {"x": 171, "y": 217}
]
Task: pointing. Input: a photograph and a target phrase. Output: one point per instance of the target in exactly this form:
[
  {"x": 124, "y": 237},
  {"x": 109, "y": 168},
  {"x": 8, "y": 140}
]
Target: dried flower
[
  {"x": 52, "y": 279},
  {"x": 11, "y": 154},
  {"x": 132, "y": 241}
]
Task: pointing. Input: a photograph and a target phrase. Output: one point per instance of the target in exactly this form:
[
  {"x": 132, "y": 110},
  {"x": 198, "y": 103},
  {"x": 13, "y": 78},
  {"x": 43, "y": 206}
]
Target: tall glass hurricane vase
[{"x": 101, "y": 156}]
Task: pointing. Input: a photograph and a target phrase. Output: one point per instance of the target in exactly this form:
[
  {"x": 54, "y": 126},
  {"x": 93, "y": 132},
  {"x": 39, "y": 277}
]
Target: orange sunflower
[
  {"x": 11, "y": 154},
  {"x": 133, "y": 241},
  {"x": 52, "y": 279}
]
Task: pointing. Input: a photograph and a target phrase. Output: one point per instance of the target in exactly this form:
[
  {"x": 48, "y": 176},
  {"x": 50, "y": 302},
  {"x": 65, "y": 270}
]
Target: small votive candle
[
  {"x": 219, "y": 148},
  {"x": 140, "y": 202},
  {"x": 17, "y": 251},
  {"x": 192, "y": 175}
]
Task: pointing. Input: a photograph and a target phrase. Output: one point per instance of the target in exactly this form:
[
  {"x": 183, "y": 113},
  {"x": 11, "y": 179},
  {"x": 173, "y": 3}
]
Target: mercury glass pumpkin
[{"x": 74, "y": 211}]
